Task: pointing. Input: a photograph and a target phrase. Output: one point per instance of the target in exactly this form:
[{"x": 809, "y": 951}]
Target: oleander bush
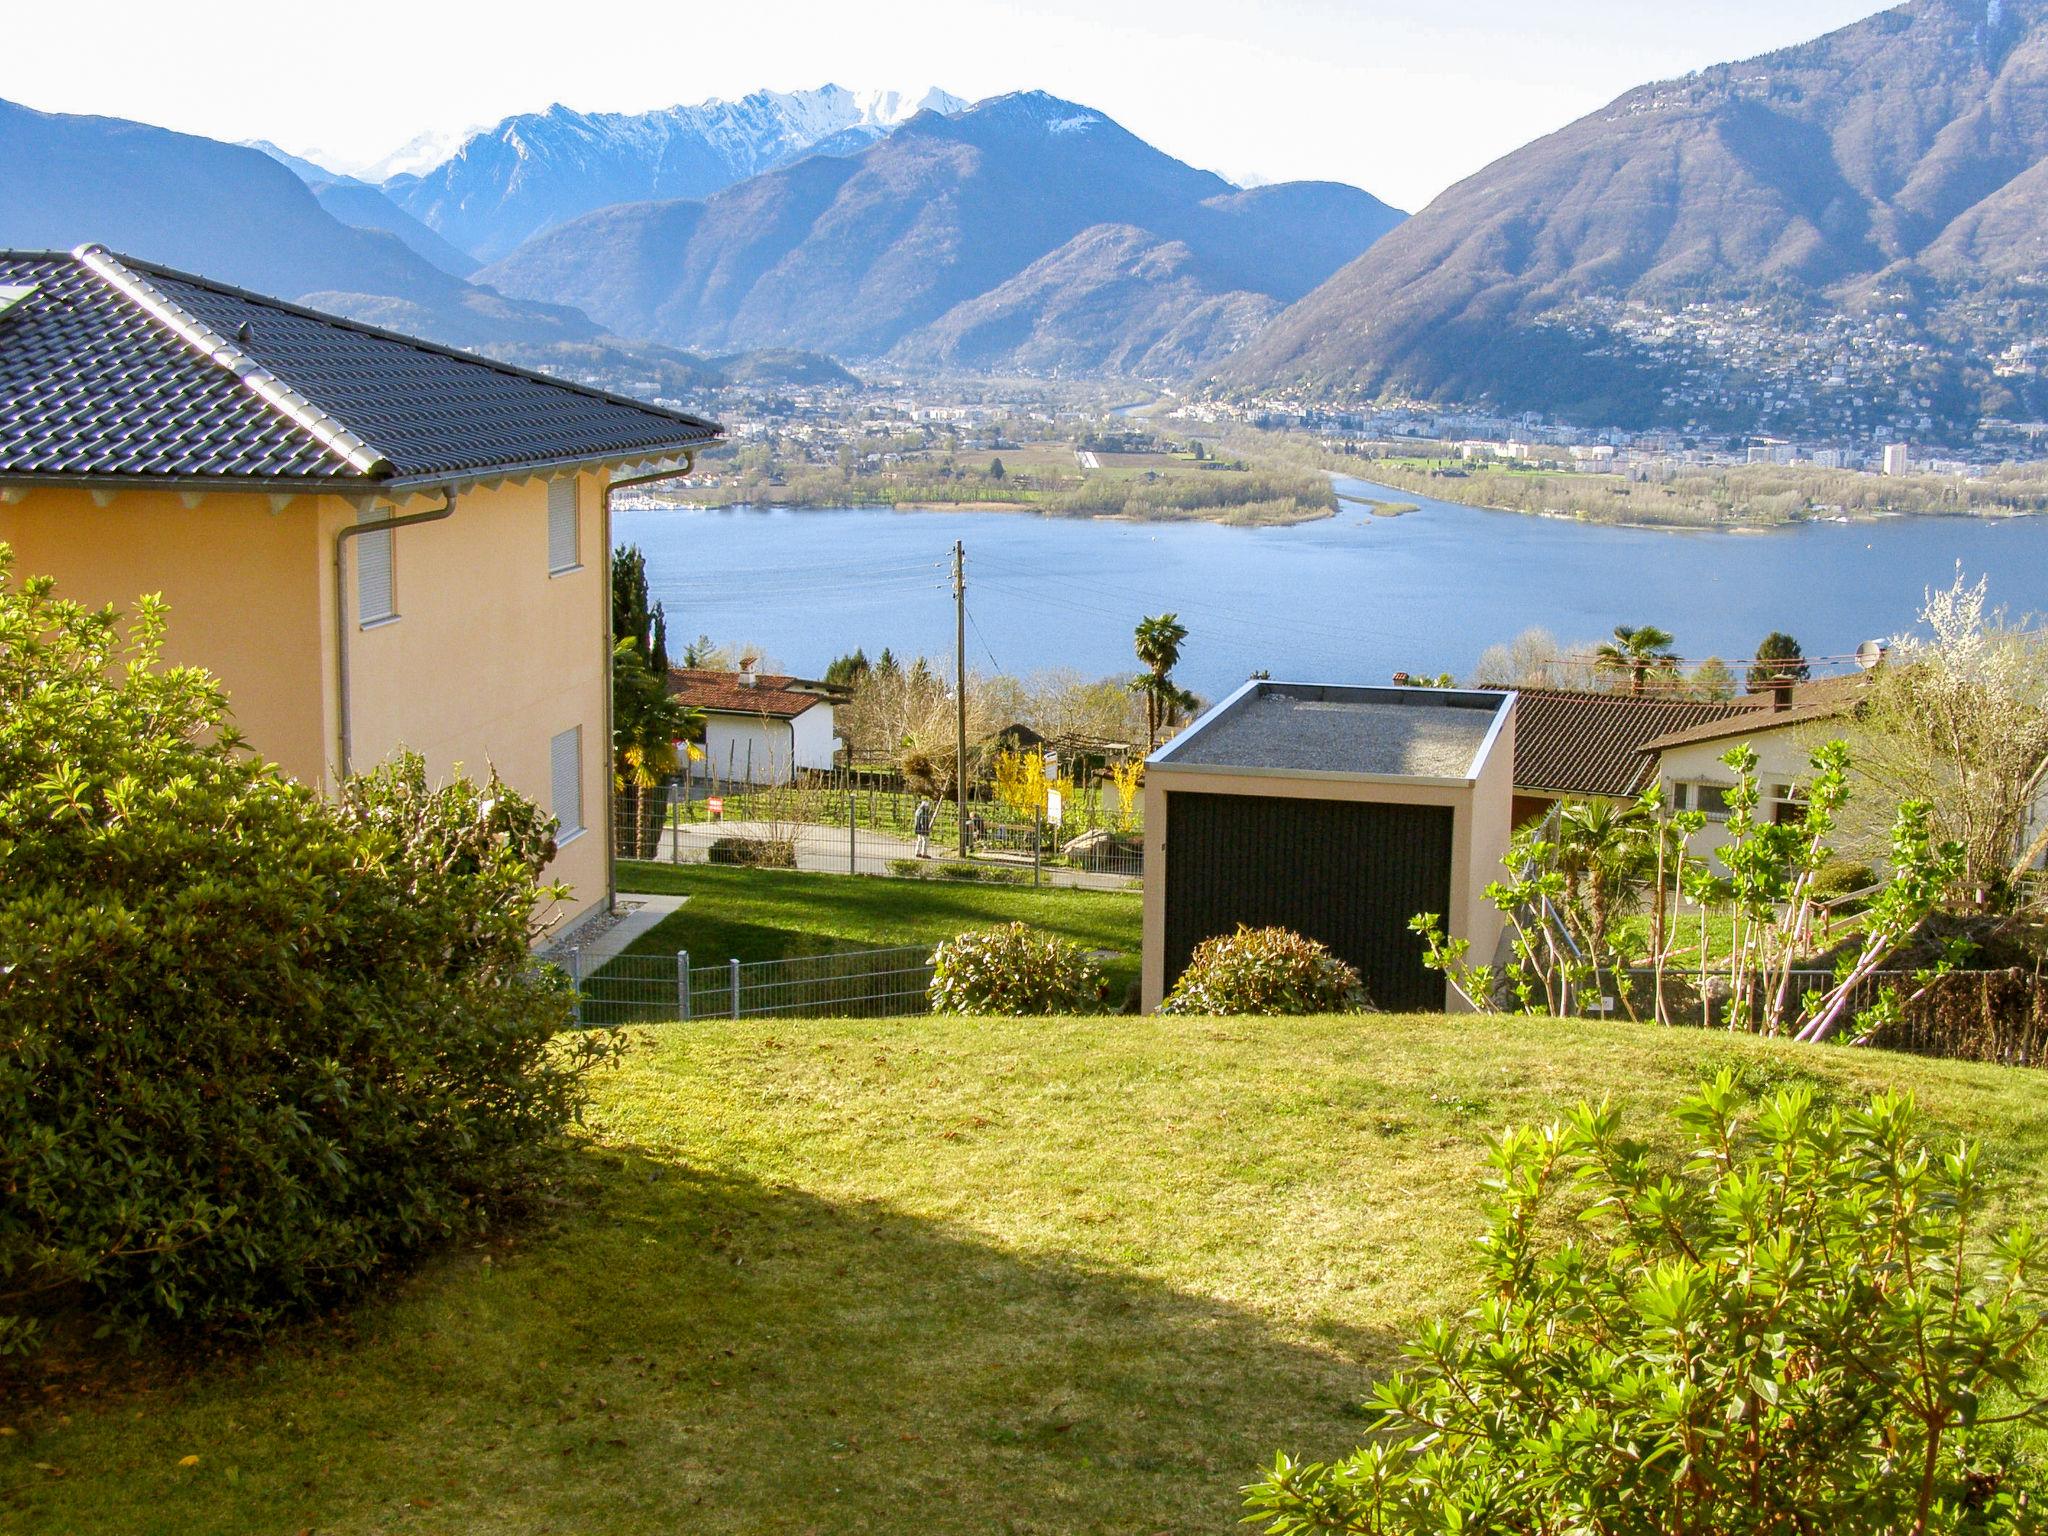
[
  {"x": 1807, "y": 1325},
  {"x": 254, "y": 1046},
  {"x": 1009, "y": 969},
  {"x": 1265, "y": 971}
]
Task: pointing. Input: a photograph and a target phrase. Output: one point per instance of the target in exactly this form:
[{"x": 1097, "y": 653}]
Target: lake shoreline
[
  {"x": 1218, "y": 516},
  {"x": 1676, "y": 525}
]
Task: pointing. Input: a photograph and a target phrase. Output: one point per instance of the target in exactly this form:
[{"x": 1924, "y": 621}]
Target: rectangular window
[
  {"x": 565, "y": 764},
  {"x": 564, "y": 533},
  {"x": 376, "y": 586},
  {"x": 1711, "y": 798}
]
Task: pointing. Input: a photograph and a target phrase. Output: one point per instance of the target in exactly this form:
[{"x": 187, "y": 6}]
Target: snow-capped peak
[{"x": 417, "y": 155}]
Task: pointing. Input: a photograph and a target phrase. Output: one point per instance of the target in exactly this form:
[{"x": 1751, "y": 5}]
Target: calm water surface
[{"x": 1349, "y": 599}]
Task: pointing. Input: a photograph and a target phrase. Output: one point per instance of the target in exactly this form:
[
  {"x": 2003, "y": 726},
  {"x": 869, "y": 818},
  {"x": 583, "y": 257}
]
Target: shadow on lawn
[
  {"x": 773, "y": 1360},
  {"x": 699, "y": 1351}
]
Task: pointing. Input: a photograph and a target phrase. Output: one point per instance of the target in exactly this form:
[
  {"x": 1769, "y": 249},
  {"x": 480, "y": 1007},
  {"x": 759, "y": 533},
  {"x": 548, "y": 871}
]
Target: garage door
[{"x": 1348, "y": 874}]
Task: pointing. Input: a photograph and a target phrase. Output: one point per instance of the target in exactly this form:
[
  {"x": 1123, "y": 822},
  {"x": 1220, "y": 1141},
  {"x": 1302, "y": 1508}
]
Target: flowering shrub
[
  {"x": 1805, "y": 1326},
  {"x": 1011, "y": 970},
  {"x": 1265, "y": 970}
]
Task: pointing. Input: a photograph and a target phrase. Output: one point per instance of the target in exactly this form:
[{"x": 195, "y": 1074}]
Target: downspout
[
  {"x": 611, "y": 874},
  {"x": 341, "y": 615}
]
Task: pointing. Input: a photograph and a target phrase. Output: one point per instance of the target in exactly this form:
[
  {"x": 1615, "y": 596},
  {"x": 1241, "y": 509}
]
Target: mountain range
[
  {"x": 1862, "y": 214},
  {"x": 234, "y": 213},
  {"x": 1025, "y": 231},
  {"x": 539, "y": 169}
]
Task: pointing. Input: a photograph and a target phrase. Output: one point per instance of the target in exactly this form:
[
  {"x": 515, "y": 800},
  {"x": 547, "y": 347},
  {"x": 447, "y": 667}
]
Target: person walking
[{"x": 921, "y": 824}]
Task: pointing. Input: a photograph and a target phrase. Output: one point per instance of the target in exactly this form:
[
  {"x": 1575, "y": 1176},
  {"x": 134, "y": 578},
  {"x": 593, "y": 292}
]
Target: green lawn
[
  {"x": 770, "y": 914},
  {"x": 922, "y": 1275}
]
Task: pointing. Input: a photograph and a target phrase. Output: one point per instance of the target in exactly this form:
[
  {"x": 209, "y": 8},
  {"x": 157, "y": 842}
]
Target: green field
[
  {"x": 771, "y": 914},
  {"x": 944, "y": 1276}
]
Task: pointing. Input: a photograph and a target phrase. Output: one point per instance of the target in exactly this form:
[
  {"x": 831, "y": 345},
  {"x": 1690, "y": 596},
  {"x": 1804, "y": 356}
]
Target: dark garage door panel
[{"x": 1348, "y": 873}]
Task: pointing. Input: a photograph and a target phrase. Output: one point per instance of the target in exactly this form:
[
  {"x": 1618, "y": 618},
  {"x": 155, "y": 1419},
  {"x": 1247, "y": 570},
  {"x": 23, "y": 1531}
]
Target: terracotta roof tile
[
  {"x": 1573, "y": 743},
  {"x": 724, "y": 693}
]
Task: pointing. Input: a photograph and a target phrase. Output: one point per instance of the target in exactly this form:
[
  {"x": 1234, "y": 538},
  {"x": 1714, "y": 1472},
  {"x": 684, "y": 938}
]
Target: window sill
[
  {"x": 386, "y": 621},
  {"x": 564, "y": 839},
  {"x": 564, "y": 570}
]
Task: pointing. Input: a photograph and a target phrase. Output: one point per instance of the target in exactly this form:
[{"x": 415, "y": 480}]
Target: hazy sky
[{"x": 1401, "y": 97}]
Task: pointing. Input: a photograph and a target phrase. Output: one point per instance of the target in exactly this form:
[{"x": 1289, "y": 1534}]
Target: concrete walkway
[{"x": 601, "y": 939}]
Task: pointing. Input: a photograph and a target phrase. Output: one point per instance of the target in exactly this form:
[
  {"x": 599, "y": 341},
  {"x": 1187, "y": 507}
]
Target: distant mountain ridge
[
  {"x": 1878, "y": 193},
  {"x": 235, "y": 215},
  {"x": 536, "y": 170},
  {"x": 1026, "y": 230}
]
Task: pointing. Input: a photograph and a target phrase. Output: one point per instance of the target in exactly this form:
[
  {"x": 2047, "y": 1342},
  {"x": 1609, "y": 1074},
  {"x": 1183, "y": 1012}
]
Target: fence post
[
  {"x": 1037, "y": 844},
  {"x": 675, "y": 824},
  {"x": 683, "y": 985},
  {"x": 576, "y": 981},
  {"x": 735, "y": 968},
  {"x": 852, "y": 837}
]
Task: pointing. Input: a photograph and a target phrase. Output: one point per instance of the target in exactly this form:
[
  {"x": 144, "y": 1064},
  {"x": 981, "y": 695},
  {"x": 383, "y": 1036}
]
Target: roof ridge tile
[{"x": 329, "y": 432}]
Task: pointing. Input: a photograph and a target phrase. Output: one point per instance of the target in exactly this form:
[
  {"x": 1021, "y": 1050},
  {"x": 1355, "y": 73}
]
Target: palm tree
[
  {"x": 651, "y": 735},
  {"x": 1637, "y": 650},
  {"x": 1158, "y": 643},
  {"x": 1602, "y": 848}
]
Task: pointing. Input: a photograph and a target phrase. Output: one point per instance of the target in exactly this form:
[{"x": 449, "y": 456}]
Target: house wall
[
  {"x": 238, "y": 577},
  {"x": 1783, "y": 756},
  {"x": 763, "y": 749},
  {"x": 489, "y": 658}
]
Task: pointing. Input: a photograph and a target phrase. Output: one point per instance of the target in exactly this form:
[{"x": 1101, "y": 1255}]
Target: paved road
[{"x": 838, "y": 851}]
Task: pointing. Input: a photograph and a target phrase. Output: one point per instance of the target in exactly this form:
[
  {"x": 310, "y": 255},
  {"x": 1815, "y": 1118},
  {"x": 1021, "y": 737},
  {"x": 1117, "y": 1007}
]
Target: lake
[{"x": 1352, "y": 598}]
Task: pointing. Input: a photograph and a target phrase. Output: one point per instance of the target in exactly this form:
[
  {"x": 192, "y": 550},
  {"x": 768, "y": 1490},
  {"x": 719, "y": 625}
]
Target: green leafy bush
[
  {"x": 754, "y": 852},
  {"x": 1838, "y": 877},
  {"x": 1800, "y": 1328},
  {"x": 1264, "y": 970},
  {"x": 256, "y": 1045},
  {"x": 958, "y": 869},
  {"x": 1009, "y": 969}
]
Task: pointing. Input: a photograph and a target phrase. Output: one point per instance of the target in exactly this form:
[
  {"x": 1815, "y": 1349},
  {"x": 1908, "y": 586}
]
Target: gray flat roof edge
[
  {"x": 1322, "y": 775},
  {"x": 1499, "y": 704}
]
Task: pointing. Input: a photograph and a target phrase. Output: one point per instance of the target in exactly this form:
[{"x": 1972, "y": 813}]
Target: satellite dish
[{"x": 1871, "y": 653}]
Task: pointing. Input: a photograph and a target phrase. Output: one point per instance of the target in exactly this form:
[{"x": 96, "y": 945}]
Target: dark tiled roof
[
  {"x": 724, "y": 693},
  {"x": 119, "y": 369},
  {"x": 1573, "y": 743}
]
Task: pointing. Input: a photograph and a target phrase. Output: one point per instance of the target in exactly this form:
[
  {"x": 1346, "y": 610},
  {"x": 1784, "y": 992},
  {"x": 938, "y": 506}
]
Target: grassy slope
[
  {"x": 769, "y": 914},
  {"x": 1059, "y": 1276}
]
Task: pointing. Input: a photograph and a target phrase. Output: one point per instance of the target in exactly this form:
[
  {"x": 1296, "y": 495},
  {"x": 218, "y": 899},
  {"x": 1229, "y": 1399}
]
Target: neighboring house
[
  {"x": 759, "y": 728},
  {"x": 374, "y": 542},
  {"x": 1782, "y": 726},
  {"x": 1338, "y": 812},
  {"x": 1571, "y": 745}
]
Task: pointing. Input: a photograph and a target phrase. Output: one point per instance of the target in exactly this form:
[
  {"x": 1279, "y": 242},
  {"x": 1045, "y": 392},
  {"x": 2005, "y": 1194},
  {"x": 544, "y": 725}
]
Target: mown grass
[
  {"x": 1046, "y": 1276},
  {"x": 772, "y": 914}
]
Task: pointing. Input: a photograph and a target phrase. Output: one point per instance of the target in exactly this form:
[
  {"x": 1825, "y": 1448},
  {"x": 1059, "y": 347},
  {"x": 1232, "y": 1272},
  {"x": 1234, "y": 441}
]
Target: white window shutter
[
  {"x": 562, "y": 524},
  {"x": 376, "y": 588},
  {"x": 565, "y": 763}
]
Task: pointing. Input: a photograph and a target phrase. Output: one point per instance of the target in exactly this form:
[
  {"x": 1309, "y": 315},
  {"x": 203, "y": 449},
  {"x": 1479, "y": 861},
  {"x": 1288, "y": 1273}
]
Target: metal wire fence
[
  {"x": 852, "y": 831},
  {"x": 647, "y": 989}
]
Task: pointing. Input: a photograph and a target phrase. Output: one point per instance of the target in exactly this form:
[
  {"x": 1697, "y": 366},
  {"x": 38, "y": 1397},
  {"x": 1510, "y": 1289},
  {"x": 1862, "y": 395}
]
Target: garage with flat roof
[{"x": 1339, "y": 812}]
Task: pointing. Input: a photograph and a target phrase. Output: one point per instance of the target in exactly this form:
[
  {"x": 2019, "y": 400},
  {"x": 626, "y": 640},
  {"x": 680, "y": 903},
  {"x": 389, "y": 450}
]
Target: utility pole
[{"x": 960, "y": 685}]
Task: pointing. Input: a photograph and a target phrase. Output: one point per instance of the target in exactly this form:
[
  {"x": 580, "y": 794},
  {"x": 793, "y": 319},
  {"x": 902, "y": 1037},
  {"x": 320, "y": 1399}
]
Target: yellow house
[{"x": 374, "y": 542}]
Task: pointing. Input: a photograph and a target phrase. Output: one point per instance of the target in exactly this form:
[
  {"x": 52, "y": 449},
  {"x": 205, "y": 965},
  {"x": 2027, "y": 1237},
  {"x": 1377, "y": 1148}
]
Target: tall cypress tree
[
  {"x": 657, "y": 648},
  {"x": 630, "y": 617}
]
